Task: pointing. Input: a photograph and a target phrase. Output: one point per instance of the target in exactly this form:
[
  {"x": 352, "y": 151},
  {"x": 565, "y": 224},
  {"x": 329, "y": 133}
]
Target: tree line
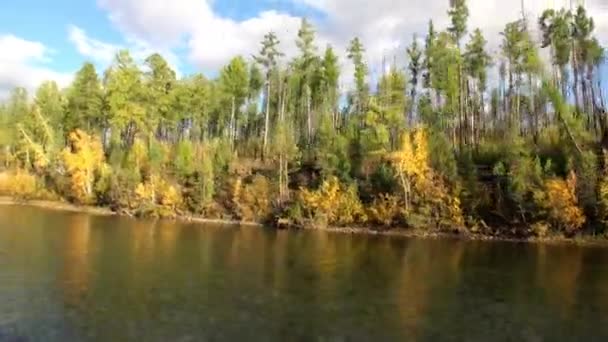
[{"x": 432, "y": 145}]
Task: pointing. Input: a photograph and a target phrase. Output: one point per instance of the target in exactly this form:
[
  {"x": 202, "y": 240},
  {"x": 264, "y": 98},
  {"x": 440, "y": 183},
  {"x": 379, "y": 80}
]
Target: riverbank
[{"x": 587, "y": 240}]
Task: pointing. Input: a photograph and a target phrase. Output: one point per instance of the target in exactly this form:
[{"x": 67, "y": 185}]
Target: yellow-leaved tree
[
  {"x": 333, "y": 203},
  {"x": 411, "y": 163},
  {"x": 560, "y": 203},
  {"x": 156, "y": 197},
  {"x": 424, "y": 191},
  {"x": 82, "y": 159}
]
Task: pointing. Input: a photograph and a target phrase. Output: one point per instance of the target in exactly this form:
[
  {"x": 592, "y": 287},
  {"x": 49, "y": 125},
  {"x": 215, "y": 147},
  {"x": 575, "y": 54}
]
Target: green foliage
[
  {"x": 459, "y": 13},
  {"x": 184, "y": 158},
  {"x": 84, "y": 101},
  {"x": 520, "y": 152},
  {"x": 253, "y": 201}
]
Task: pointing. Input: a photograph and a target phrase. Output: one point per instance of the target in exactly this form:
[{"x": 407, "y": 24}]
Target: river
[{"x": 76, "y": 277}]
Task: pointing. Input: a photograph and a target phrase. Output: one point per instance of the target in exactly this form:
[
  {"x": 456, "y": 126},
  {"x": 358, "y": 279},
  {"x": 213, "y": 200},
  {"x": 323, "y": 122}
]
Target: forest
[{"x": 434, "y": 145}]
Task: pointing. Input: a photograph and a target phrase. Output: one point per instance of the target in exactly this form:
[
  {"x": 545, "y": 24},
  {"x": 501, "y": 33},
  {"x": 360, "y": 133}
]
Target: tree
[
  {"x": 306, "y": 64},
  {"x": 51, "y": 103},
  {"x": 459, "y": 14},
  {"x": 415, "y": 54},
  {"x": 582, "y": 31},
  {"x": 476, "y": 62},
  {"x": 331, "y": 77},
  {"x": 84, "y": 102},
  {"x": 429, "y": 42},
  {"x": 125, "y": 95},
  {"x": 234, "y": 83},
  {"x": 513, "y": 50},
  {"x": 82, "y": 159},
  {"x": 160, "y": 81},
  {"x": 355, "y": 54},
  {"x": 268, "y": 57},
  {"x": 556, "y": 28}
]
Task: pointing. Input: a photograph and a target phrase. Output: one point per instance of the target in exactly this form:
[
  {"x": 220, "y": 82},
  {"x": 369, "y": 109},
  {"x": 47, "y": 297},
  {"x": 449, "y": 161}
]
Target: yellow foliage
[
  {"x": 603, "y": 194},
  {"x": 138, "y": 155},
  {"x": 411, "y": 162},
  {"x": 425, "y": 193},
  {"x": 170, "y": 197},
  {"x": 253, "y": 202},
  {"x": 435, "y": 201},
  {"x": 156, "y": 197},
  {"x": 18, "y": 184},
  {"x": 333, "y": 203},
  {"x": 82, "y": 159},
  {"x": 385, "y": 210},
  {"x": 560, "y": 202}
]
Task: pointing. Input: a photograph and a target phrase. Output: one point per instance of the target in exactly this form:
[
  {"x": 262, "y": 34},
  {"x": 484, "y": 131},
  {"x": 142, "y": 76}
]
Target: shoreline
[{"x": 394, "y": 232}]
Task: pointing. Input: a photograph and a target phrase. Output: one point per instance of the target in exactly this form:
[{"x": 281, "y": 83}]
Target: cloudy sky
[{"x": 50, "y": 39}]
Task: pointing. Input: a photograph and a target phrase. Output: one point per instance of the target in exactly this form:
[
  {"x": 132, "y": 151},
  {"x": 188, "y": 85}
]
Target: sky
[{"x": 50, "y": 39}]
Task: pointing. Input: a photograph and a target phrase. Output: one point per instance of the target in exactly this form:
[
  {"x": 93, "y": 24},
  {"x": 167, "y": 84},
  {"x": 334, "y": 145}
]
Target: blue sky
[{"x": 42, "y": 39}]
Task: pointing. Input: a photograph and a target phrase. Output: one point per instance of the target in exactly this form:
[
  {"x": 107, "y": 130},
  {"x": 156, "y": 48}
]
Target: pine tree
[
  {"x": 268, "y": 58},
  {"x": 125, "y": 95},
  {"x": 415, "y": 64},
  {"x": 84, "y": 102},
  {"x": 459, "y": 14},
  {"x": 331, "y": 77},
  {"x": 306, "y": 63},
  {"x": 355, "y": 54},
  {"x": 160, "y": 82},
  {"x": 235, "y": 86}
]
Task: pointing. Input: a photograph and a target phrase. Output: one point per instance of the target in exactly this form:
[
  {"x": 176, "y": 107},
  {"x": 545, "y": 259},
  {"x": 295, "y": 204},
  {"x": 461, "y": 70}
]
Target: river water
[{"x": 76, "y": 277}]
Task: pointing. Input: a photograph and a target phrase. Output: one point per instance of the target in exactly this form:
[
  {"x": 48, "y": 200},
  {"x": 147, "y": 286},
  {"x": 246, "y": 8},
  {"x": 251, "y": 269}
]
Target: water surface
[{"x": 76, "y": 277}]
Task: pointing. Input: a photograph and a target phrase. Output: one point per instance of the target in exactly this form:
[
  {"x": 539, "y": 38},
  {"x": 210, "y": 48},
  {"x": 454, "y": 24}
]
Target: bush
[
  {"x": 82, "y": 159},
  {"x": 560, "y": 204},
  {"x": 385, "y": 210},
  {"x": 540, "y": 229},
  {"x": 156, "y": 197},
  {"x": 332, "y": 204},
  {"x": 252, "y": 202},
  {"x": 20, "y": 184}
]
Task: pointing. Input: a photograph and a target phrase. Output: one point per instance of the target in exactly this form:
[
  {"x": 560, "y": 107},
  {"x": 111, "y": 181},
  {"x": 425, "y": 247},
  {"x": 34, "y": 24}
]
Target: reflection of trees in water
[
  {"x": 76, "y": 273},
  {"x": 558, "y": 271},
  {"x": 279, "y": 259},
  {"x": 142, "y": 241},
  {"x": 168, "y": 232},
  {"x": 429, "y": 271}
]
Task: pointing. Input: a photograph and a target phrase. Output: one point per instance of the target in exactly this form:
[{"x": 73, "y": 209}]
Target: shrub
[
  {"x": 252, "y": 202},
  {"x": 540, "y": 229},
  {"x": 332, "y": 203},
  {"x": 560, "y": 204},
  {"x": 385, "y": 210},
  {"x": 82, "y": 160},
  {"x": 156, "y": 197},
  {"x": 19, "y": 184}
]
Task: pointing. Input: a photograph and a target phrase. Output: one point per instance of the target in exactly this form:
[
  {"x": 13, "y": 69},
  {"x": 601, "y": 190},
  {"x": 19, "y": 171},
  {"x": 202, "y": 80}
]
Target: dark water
[{"x": 75, "y": 277}]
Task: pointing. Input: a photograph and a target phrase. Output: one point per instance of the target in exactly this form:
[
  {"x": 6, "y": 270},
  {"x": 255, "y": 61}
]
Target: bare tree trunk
[
  {"x": 266, "y": 120},
  {"x": 575, "y": 70},
  {"x": 533, "y": 109},
  {"x": 309, "y": 113},
  {"x": 232, "y": 128}
]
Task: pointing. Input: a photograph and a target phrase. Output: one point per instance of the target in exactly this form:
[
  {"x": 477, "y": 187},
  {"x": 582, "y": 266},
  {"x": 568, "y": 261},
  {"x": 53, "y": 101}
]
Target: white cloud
[
  {"x": 103, "y": 53},
  {"x": 160, "y": 22},
  {"x": 217, "y": 40},
  {"x": 384, "y": 26},
  {"x": 22, "y": 63},
  {"x": 96, "y": 50}
]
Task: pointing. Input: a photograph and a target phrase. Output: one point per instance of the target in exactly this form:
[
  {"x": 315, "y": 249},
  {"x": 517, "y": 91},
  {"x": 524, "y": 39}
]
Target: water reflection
[
  {"x": 560, "y": 284},
  {"x": 123, "y": 280},
  {"x": 75, "y": 276}
]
